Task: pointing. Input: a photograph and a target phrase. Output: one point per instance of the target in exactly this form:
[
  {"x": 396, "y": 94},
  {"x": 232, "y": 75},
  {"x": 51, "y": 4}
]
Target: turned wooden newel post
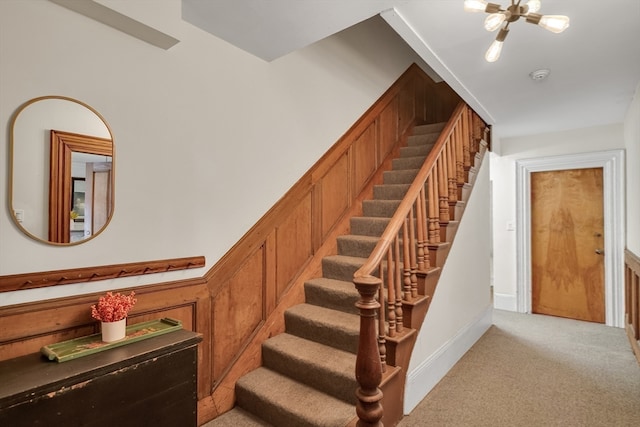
[{"x": 368, "y": 364}]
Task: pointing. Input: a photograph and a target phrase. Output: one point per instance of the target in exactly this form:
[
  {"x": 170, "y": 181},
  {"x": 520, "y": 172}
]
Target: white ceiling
[{"x": 595, "y": 64}]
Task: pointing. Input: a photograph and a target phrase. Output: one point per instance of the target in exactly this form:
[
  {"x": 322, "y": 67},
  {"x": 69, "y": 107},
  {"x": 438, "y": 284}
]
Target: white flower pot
[{"x": 114, "y": 331}]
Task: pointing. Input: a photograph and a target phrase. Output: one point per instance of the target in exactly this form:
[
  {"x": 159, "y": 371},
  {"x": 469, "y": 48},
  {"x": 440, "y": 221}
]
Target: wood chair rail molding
[
  {"x": 18, "y": 282},
  {"x": 632, "y": 300}
]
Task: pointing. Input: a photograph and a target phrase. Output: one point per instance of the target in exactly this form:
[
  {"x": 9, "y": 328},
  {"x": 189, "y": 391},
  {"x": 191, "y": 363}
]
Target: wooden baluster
[
  {"x": 423, "y": 218},
  {"x": 422, "y": 244},
  {"x": 466, "y": 141},
  {"x": 391, "y": 293},
  {"x": 368, "y": 366},
  {"x": 406, "y": 258},
  {"x": 434, "y": 225},
  {"x": 413, "y": 244},
  {"x": 451, "y": 167},
  {"x": 443, "y": 191},
  {"x": 382, "y": 340},
  {"x": 398, "y": 271},
  {"x": 459, "y": 153}
]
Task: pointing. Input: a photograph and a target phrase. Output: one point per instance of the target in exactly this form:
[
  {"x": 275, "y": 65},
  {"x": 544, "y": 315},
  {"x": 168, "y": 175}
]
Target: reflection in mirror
[{"x": 61, "y": 188}]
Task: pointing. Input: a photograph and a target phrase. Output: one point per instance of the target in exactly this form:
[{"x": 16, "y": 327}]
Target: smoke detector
[{"x": 539, "y": 75}]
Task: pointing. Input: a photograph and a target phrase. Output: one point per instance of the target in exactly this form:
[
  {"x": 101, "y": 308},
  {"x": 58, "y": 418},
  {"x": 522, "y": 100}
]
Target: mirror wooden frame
[{"x": 63, "y": 144}]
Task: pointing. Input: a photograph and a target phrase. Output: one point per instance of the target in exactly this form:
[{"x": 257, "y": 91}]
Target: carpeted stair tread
[
  {"x": 380, "y": 208},
  {"x": 356, "y": 245},
  {"x": 237, "y": 417},
  {"x": 333, "y": 294},
  {"x": 323, "y": 325},
  {"x": 324, "y": 368},
  {"x": 341, "y": 267},
  {"x": 399, "y": 176},
  {"x": 390, "y": 191},
  {"x": 416, "y": 150},
  {"x": 404, "y": 163},
  {"x": 422, "y": 139},
  {"x": 429, "y": 128},
  {"x": 282, "y": 401},
  {"x": 368, "y": 226}
]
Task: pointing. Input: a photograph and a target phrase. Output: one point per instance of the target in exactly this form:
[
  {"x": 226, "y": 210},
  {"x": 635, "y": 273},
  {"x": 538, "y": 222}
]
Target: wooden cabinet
[{"x": 147, "y": 383}]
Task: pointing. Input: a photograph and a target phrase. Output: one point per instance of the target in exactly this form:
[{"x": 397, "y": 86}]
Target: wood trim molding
[
  {"x": 612, "y": 163},
  {"x": 18, "y": 282},
  {"x": 632, "y": 300},
  {"x": 63, "y": 144}
]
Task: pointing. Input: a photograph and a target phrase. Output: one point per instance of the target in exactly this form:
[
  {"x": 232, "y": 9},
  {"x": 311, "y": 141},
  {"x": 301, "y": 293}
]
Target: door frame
[{"x": 612, "y": 164}]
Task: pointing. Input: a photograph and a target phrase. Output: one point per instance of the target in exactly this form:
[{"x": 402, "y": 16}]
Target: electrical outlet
[{"x": 19, "y": 213}]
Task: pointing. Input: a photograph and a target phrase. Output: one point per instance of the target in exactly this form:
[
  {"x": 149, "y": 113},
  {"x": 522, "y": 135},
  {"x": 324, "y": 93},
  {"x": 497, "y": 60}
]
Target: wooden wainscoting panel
[
  {"x": 25, "y": 328},
  {"x": 632, "y": 300},
  {"x": 420, "y": 99},
  {"x": 365, "y": 159},
  {"x": 388, "y": 125},
  {"x": 293, "y": 244},
  {"x": 238, "y": 310},
  {"x": 335, "y": 193},
  {"x": 406, "y": 110}
]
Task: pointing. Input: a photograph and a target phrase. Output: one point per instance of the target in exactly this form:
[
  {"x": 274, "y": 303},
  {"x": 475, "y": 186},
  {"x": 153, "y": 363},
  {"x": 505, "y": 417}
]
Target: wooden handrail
[
  {"x": 426, "y": 207},
  {"x": 395, "y": 224}
]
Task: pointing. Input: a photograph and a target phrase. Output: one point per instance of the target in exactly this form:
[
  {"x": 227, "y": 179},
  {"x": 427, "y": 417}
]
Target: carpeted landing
[{"x": 533, "y": 370}]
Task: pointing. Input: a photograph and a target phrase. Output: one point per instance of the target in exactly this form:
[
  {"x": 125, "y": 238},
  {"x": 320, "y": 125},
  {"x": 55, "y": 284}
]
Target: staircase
[{"x": 307, "y": 375}]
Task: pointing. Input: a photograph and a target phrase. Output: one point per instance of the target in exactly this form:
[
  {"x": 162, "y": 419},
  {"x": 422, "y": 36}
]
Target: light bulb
[
  {"x": 493, "y": 53},
  {"x": 534, "y": 6},
  {"x": 475, "y": 5},
  {"x": 554, "y": 23},
  {"x": 494, "y": 21}
]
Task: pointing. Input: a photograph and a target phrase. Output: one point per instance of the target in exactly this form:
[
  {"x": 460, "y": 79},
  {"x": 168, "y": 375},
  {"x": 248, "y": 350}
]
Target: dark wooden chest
[{"x": 147, "y": 383}]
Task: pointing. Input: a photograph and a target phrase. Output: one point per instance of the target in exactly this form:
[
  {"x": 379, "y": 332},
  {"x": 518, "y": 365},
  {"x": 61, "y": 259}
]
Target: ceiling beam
[{"x": 117, "y": 20}]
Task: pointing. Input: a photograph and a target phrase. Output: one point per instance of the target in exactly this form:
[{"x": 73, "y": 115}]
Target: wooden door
[
  {"x": 98, "y": 201},
  {"x": 567, "y": 244}
]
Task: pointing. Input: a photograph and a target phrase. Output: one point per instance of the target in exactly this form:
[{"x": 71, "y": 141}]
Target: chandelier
[{"x": 498, "y": 16}]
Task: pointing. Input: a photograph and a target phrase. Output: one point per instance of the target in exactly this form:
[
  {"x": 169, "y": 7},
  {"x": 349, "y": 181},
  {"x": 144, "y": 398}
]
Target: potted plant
[{"x": 112, "y": 310}]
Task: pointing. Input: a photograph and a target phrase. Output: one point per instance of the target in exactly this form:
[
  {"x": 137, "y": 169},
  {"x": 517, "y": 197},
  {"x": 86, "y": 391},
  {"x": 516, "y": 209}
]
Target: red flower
[{"x": 113, "y": 307}]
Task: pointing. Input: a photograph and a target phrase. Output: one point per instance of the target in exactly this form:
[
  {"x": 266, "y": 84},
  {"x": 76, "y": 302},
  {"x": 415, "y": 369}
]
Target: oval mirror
[{"x": 61, "y": 187}]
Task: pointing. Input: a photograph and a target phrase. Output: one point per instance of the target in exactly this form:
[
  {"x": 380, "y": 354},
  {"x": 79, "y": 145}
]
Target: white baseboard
[
  {"x": 505, "y": 302},
  {"x": 421, "y": 380}
]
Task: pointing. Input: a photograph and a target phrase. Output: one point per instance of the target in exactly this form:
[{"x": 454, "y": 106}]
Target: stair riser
[
  {"x": 379, "y": 208},
  {"x": 390, "y": 192},
  {"x": 422, "y": 139},
  {"x": 335, "y": 384},
  {"x": 408, "y": 163},
  {"x": 416, "y": 150},
  {"x": 370, "y": 226},
  {"x": 399, "y": 176},
  {"x": 364, "y": 226},
  {"x": 355, "y": 247},
  {"x": 262, "y": 407},
  {"x": 434, "y": 128},
  {"x": 342, "y": 301},
  {"x": 332, "y": 269},
  {"x": 346, "y": 340}
]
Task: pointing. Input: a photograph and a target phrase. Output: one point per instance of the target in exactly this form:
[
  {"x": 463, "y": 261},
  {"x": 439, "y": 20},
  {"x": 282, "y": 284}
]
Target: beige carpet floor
[{"x": 533, "y": 370}]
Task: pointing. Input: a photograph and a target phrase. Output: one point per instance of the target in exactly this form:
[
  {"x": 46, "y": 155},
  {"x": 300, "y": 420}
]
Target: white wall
[
  {"x": 632, "y": 143},
  {"x": 503, "y": 176},
  {"x": 460, "y": 311},
  {"x": 207, "y": 137}
]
